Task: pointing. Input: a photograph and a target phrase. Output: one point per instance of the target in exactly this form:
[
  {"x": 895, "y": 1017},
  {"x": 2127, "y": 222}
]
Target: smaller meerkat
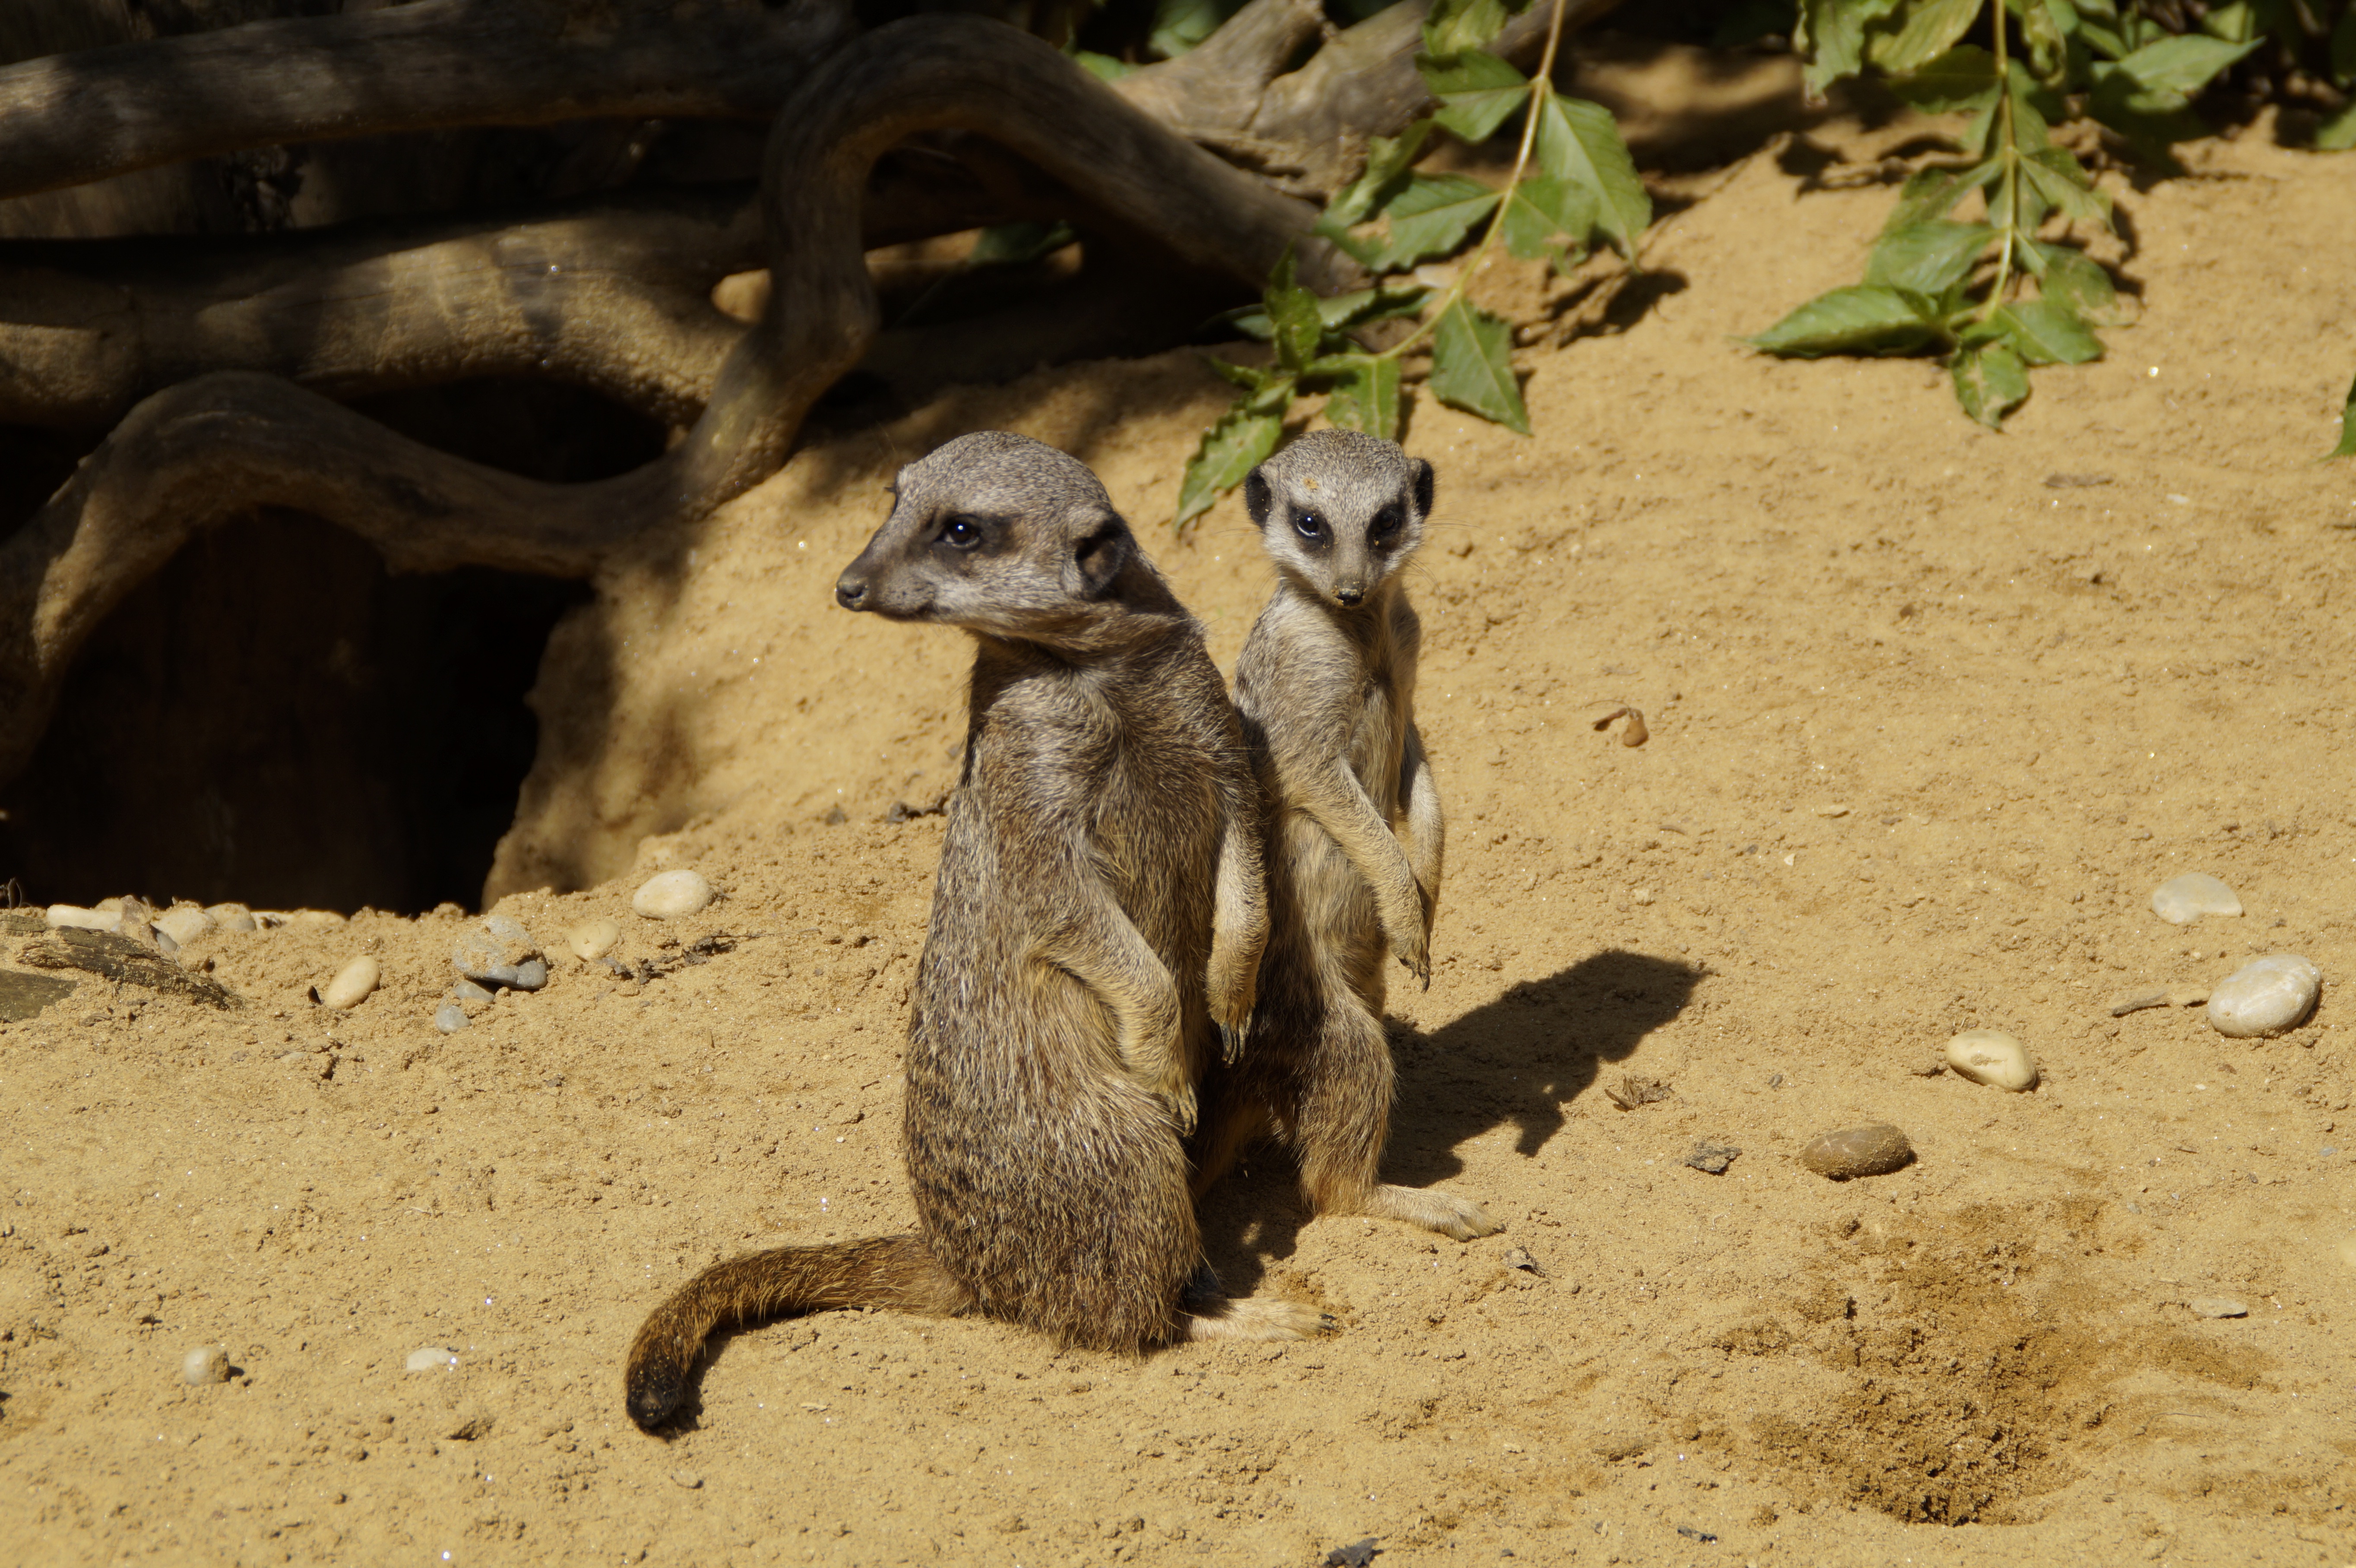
[{"x": 1326, "y": 690}]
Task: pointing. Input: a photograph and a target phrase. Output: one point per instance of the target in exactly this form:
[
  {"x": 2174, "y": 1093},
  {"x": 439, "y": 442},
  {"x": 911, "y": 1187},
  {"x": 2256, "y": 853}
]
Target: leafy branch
[
  {"x": 1571, "y": 180},
  {"x": 1957, "y": 289}
]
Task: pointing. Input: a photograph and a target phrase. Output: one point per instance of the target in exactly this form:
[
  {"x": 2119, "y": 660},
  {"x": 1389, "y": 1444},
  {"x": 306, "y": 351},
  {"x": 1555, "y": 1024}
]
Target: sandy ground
[{"x": 1931, "y": 710}]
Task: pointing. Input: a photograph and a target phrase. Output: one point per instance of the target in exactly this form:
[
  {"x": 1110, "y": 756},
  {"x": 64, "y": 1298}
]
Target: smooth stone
[
  {"x": 531, "y": 975},
  {"x": 61, "y": 916},
  {"x": 1873, "y": 1150},
  {"x": 205, "y": 1364},
  {"x": 233, "y": 917},
  {"x": 318, "y": 918},
  {"x": 353, "y": 983},
  {"x": 468, "y": 991},
  {"x": 450, "y": 1017},
  {"x": 2180, "y": 901},
  {"x": 2265, "y": 996},
  {"x": 2217, "y": 1307},
  {"x": 1992, "y": 1057},
  {"x": 163, "y": 940},
  {"x": 184, "y": 922},
  {"x": 592, "y": 940},
  {"x": 496, "y": 954},
  {"x": 667, "y": 895},
  {"x": 430, "y": 1359}
]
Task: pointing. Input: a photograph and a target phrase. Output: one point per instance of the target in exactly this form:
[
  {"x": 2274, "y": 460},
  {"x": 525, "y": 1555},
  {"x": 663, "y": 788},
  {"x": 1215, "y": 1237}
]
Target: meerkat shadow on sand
[{"x": 1522, "y": 1058}]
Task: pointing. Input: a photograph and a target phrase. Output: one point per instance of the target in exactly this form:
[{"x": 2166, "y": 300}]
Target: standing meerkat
[
  {"x": 1326, "y": 689},
  {"x": 1098, "y": 919}
]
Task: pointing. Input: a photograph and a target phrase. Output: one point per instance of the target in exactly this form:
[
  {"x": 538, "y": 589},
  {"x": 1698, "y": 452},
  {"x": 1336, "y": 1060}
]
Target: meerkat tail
[{"x": 893, "y": 1272}]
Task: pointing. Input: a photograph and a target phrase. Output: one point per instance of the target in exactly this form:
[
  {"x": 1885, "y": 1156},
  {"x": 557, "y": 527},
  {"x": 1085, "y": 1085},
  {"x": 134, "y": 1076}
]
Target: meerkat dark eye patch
[
  {"x": 959, "y": 532},
  {"x": 1386, "y": 524},
  {"x": 1309, "y": 525}
]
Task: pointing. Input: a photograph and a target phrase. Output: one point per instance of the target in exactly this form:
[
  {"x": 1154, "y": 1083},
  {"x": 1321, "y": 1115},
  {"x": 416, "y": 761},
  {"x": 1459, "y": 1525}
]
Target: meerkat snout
[{"x": 1340, "y": 512}]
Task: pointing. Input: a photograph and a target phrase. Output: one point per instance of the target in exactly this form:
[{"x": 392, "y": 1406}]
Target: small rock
[
  {"x": 1519, "y": 1257},
  {"x": 592, "y": 940},
  {"x": 184, "y": 922},
  {"x": 431, "y": 1358},
  {"x": 316, "y": 919},
  {"x": 450, "y": 1017},
  {"x": 353, "y": 983},
  {"x": 1634, "y": 1091},
  {"x": 2217, "y": 1307},
  {"x": 687, "y": 1478},
  {"x": 2265, "y": 996},
  {"x": 468, "y": 991},
  {"x": 164, "y": 944},
  {"x": 531, "y": 975},
  {"x": 232, "y": 917},
  {"x": 2187, "y": 995},
  {"x": 61, "y": 916},
  {"x": 496, "y": 953},
  {"x": 1711, "y": 1157},
  {"x": 205, "y": 1364},
  {"x": 668, "y": 895},
  {"x": 2137, "y": 1003},
  {"x": 1874, "y": 1150},
  {"x": 1992, "y": 1057},
  {"x": 2180, "y": 901}
]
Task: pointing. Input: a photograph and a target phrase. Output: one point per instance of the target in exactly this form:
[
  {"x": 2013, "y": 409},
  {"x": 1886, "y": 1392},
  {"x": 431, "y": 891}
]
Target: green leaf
[
  {"x": 2347, "y": 447},
  {"x": 1853, "y": 320},
  {"x": 1104, "y": 68},
  {"x": 2338, "y": 134},
  {"x": 1927, "y": 258},
  {"x": 1230, "y": 449},
  {"x": 1431, "y": 217},
  {"x": 2048, "y": 25},
  {"x": 1294, "y": 324},
  {"x": 1387, "y": 159},
  {"x": 1933, "y": 193},
  {"x": 1180, "y": 25},
  {"x": 1961, "y": 80},
  {"x": 1472, "y": 365},
  {"x": 2151, "y": 122},
  {"x": 1478, "y": 91},
  {"x": 2046, "y": 332},
  {"x": 1012, "y": 244},
  {"x": 1250, "y": 378},
  {"x": 1362, "y": 305},
  {"x": 2059, "y": 179},
  {"x": 1544, "y": 215},
  {"x": 1366, "y": 394},
  {"x": 2182, "y": 64},
  {"x": 1990, "y": 382},
  {"x": 2071, "y": 280},
  {"x": 1459, "y": 27},
  {"x": 1831, "y": 33},
  {"x": 1918, "y": 32},
  {"x": 1578, "y": 143}
]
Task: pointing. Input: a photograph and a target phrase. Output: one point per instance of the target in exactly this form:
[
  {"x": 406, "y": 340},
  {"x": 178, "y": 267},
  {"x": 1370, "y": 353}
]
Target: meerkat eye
[
  {"x": 1386, "y": 523},
  {"x": 962, "y": 533},
  {"x": 1309, "y": 525}
]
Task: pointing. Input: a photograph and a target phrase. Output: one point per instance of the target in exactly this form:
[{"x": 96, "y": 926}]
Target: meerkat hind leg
[
  {"x": 1257, "y": 1317},
  {"x": 1432, "y": 1209}
]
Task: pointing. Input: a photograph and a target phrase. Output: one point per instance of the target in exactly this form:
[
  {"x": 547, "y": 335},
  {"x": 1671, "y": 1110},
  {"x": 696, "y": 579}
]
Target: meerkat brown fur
[
  {"x": 1096, "y": 927},
  {"x": 1326, "y": 689}
]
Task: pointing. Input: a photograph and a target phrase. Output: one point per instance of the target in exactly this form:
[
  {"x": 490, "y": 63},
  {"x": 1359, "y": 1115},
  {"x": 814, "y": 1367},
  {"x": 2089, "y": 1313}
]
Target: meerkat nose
[
  {"x": 1349, "y": 592},
  {"x": 851, "y": 592}
]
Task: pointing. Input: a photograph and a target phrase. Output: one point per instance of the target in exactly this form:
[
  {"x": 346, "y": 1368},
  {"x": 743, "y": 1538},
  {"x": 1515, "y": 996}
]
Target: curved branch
[
  {"x": 192, "y": 456},
  {"x": 69, "y": 119}
]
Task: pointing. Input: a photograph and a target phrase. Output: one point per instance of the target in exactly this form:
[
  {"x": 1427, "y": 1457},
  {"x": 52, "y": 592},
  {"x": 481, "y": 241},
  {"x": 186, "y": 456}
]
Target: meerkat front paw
[
  {"x": 1415, "y": 951},
  {"x": 1434, "y": 1211}
]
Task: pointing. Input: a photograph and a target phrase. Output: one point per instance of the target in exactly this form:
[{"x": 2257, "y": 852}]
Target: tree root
[{"x": 196, "y": 455}]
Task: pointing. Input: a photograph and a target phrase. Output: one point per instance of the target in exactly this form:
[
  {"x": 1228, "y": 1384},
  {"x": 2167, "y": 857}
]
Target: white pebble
[
  {"x": 1992, "y": 1057},
  {"x": 184, "y": 922},
  {"x": 449, "y": 1018},
  {"x": 64, "y": 916},
  {"x": 592, "y": 940},
  {"x": 2217, "y": 1307},
  {"x": 2180, "y": 901},
  {"x": 2265, "y": 996},
  {"x": 205, "y": 1364},
  {"x": 352, "y": 983},
  {"x": 430, "y": 1359},
  {"x": 233, "y": 917},
  {"x": 666, "y": 895}
]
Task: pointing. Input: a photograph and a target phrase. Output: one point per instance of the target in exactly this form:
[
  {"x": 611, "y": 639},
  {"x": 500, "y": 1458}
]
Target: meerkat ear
[
  {"x": 1097, "y": 560},
  {"x": 1422, "y": 486},
  {"x": 1257, "y": 497}
]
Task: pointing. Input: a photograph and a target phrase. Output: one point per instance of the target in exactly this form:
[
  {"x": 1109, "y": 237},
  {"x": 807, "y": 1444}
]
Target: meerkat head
[
  {"x": 1003, "y": 536},
  {"x": 1340, "y": 511}
]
